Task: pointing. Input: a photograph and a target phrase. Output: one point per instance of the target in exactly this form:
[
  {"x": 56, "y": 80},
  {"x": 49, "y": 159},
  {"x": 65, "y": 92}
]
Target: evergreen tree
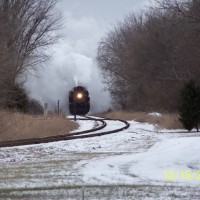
[
  {"x": 35, "y": 107},
  {"x": 190, "y": 106},
  {"x": 18, "y": 99}
]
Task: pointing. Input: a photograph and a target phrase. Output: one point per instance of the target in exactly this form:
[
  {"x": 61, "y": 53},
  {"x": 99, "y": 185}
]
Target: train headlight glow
[{"x": 79, "y": 96}]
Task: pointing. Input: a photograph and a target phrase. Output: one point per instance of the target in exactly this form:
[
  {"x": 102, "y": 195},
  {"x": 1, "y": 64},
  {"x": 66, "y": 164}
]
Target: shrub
[
  {"x": 18, "y": 99},
  {"x": 35, "y": 108},
  {"x": 190, "y": 106}
]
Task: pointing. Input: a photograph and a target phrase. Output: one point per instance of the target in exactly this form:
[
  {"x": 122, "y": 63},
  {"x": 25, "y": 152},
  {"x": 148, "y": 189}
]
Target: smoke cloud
[
  {"x": 73, "y": 64},
  {"x": 73, "y": 61}
]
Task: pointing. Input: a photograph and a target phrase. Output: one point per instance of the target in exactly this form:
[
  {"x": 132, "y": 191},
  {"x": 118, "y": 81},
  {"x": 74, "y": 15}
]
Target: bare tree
[
  {"x": 147, "y": 58},
  {"x": 32, "y": 25},
  {"x": 29, "y": 27},
  {"x": 113, "y": 58},
  {"x": 186, "y": 52}
]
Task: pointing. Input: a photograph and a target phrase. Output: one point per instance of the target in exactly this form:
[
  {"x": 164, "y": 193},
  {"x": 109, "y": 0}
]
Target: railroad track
[{"x": 94, "y": 132}]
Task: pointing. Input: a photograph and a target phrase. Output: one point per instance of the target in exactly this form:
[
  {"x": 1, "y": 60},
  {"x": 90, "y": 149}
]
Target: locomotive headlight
[{"x": 79, "y": 96}]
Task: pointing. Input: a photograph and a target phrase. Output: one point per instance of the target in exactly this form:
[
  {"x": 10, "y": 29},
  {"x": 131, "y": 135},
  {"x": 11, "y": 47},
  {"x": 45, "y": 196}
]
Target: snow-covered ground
[{"x": 139, "y": 156}]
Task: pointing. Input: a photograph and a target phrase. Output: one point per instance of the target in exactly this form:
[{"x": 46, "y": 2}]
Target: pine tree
[{"x": 190, "y": 106}]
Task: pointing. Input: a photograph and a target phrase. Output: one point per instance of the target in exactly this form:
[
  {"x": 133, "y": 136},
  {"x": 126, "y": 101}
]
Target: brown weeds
[
  {"x": 168, "y": 121},
  {"x": 16, "y": 126}
]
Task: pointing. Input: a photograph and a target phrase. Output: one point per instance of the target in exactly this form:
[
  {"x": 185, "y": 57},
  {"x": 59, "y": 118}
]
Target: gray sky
[{"x": 73, "y": 62}]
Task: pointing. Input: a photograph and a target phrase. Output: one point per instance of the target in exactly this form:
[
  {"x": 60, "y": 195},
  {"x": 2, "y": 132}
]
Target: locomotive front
[{"x": 79, "y": 101}]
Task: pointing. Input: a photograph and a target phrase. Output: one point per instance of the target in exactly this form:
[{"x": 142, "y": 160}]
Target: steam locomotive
[{"x": 79, "y": 101}]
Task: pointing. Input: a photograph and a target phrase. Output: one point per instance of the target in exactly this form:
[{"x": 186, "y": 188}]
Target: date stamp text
[{"x": 186, "y": 175}]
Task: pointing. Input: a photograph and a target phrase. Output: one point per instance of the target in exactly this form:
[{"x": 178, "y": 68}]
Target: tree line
[
  {"x": 27, "y": 29},
  {"x": 147, "y": 58}
]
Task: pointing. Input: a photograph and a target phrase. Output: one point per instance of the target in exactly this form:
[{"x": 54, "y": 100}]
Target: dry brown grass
[
  {"x": 16, "y": 126},
  {"x": 168, "y": 121}
]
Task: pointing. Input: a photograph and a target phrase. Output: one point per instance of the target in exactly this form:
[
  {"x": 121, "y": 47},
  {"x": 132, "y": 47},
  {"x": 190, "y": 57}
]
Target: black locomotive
[{"x": 79, "y": 101}]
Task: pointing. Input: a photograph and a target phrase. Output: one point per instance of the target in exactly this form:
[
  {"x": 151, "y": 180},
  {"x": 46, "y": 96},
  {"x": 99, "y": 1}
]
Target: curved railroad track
[{"x": 94, "y": 132}]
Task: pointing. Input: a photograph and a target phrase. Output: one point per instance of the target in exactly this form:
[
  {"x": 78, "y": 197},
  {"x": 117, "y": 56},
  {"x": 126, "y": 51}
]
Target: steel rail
[
  {"x": 101, "y": 133},
  {"x": 69, "y": 136},
  {"x": 104, "y": 124}
]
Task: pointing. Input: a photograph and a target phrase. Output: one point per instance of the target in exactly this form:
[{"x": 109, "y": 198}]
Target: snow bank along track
[{"x": 70, "y": 136}]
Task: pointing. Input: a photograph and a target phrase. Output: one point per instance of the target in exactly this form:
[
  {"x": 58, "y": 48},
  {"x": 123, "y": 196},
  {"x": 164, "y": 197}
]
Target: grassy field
[
  {"x": 59, "y": 170},
  {"x": 104, "y": 192},
  {"x": 61, "y": 179},
  {"x": 16, "y": 126}
]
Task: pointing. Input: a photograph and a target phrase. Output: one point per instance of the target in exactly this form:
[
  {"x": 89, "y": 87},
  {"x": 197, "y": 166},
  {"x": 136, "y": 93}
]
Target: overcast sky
[{"x": 73, "y": 62}]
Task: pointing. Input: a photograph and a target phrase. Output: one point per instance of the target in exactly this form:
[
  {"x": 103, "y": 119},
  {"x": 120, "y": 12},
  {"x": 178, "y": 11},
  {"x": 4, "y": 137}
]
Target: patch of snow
[
  {"x": 138, "y": 155},
  {"x": 155, "y": 114},
  {"x": 179, "y": 156}
]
